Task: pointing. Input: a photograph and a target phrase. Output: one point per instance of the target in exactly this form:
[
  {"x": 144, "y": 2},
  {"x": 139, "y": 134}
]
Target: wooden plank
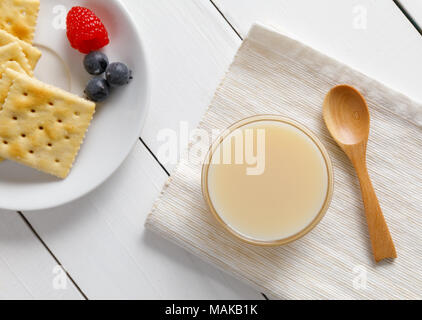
[
  {"x": 372, "y": 36},
  {"x": 101, "y": 241},
  {"x": 27, "y": 270},
  {"x": 189, "y": 47},
  {"x": 414, "y": 10}
]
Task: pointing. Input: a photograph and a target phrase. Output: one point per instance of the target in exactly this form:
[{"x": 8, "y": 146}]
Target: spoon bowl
[{"x": 346, "y": 115}]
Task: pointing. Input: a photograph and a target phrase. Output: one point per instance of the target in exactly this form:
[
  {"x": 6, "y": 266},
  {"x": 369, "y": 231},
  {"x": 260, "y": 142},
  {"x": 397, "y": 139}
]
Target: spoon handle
[{"x": 382, "y": 243}]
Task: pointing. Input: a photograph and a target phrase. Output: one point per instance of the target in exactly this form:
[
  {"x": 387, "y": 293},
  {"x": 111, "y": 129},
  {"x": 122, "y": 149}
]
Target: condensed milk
[{"x": 268, "y": 180}]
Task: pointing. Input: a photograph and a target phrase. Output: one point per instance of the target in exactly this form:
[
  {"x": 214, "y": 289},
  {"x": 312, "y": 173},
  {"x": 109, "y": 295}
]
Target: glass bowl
[{"x": 268, "y": 118}]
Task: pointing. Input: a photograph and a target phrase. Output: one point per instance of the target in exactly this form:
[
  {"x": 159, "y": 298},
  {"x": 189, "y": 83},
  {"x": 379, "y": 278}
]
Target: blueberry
[
  {"x": 97, "y": 89},
  {"x": 118, "y": 74},
  {"x": 96, "y": 63}
]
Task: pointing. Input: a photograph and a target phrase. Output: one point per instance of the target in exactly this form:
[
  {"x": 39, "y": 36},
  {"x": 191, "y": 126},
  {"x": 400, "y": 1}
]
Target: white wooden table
[{"x": 99, "y": 240}]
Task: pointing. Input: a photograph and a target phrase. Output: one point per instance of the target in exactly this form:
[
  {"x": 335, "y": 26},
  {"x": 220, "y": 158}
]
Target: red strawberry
[{"x": 85, "y": 30}]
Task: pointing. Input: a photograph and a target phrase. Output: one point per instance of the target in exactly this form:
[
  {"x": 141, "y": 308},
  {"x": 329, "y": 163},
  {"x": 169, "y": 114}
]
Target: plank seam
[
  {"x": 51, "y": 253},
  {"x": 227, "y": 20},
  {"x": 408, "y": 16},
  {"x": 154, "y": 156}
]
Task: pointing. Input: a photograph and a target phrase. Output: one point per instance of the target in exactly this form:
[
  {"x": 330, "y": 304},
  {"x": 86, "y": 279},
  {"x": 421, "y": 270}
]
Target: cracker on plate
[
  {"x": 10, "y": 65},
  {"x": 19, "y": 17},
  {"x": 13, "y": 52},
  {"x": 42, "y": 126},
  {"x": 31, "y": 52},
  {"x": 5, "y": 83}
]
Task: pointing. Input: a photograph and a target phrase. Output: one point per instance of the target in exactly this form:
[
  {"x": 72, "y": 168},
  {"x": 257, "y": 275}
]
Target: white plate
[{"x": 117, "y": 123}]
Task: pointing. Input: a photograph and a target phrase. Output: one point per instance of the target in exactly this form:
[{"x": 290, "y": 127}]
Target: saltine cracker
[
  {"x": 31, "y": 52},
  {"x": 19, "y": 17},
  {"x": 6, "y": 82},
  {"x": 10, "y": 65},
  {"x": 13, "y": 52},
  {"x": 42, "y": 126}
]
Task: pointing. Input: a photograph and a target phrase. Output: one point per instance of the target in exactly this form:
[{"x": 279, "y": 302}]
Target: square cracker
[
  {"x": 31, "y": 52},
  {"x": 6, "y": 82},
  {"x": 41, "y": 126},
  {"x": 10, "y": 65},
  {"x": 13, "y": 52},
  {"x": 19, "y": 17}
]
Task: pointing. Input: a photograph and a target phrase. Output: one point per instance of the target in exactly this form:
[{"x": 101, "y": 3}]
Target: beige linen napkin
[{"x": 273, "y": 74}]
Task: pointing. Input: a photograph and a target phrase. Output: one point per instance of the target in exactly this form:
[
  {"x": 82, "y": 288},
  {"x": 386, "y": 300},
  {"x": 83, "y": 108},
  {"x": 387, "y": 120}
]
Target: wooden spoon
[{"x": 347, "y": 117}]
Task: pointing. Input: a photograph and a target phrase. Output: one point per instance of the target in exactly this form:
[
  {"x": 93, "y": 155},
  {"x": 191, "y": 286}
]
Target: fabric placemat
[{"x": 274, "y": 74}]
